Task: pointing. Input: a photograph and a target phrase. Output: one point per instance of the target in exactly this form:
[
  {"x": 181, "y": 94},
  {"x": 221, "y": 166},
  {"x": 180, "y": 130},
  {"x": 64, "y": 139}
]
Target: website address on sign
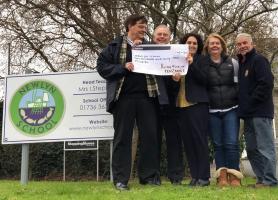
[{"x": 86, "y": 128}]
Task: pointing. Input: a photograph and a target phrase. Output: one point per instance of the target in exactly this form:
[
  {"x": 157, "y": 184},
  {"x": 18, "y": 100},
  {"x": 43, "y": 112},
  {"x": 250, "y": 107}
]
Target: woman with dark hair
[{"x": 192, "y": 101}]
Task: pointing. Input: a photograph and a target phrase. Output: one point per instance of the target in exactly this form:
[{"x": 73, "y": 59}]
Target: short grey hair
[
  {"x": 163, "y": 26},
  {"x": 245, "y": 35}
]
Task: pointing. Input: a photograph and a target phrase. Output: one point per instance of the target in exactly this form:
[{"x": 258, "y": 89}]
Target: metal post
[
  {"x": 9, "y": 58},
  {"x": 97, "y": 161},
  {"x": 64, "y": 167},
  {"x": 274, "y": 128},
  {"x": 24, "y": 164},
  {"x": 111, "y": 152}
]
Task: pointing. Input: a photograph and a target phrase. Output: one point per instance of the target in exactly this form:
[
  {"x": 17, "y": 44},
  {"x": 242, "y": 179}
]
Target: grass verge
[{"x": 13, "y": 190}]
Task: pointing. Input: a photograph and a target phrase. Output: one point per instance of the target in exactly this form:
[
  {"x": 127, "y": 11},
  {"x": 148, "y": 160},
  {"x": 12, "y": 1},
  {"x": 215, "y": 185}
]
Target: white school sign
[{"x": 55, "y": 107}]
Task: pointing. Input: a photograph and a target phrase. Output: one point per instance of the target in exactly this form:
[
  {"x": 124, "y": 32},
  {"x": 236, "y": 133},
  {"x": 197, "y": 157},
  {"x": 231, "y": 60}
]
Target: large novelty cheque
[{"x": 160, "y": 59}]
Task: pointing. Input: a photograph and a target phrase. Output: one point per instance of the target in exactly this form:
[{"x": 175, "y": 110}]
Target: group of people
[{"x": 207, "y": 102}]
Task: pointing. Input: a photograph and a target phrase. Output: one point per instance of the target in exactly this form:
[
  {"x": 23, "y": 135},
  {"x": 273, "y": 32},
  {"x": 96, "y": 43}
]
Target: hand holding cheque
[
  {"x": 177, "y": 76},
  {"x": 160, "y": 59}
]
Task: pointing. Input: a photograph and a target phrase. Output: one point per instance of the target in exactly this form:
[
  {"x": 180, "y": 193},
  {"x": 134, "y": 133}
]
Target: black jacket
[
  {"x": 255, "y": 86},
  {"x": 222, "y": 89},
  {"x": 195, "y": 83},
  {"x": 109, "y": 67}
]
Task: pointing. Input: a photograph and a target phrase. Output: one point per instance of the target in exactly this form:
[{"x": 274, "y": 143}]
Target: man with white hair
[
  {"x": 256, "y": 109},
  {"x": 168, "y": 119}
]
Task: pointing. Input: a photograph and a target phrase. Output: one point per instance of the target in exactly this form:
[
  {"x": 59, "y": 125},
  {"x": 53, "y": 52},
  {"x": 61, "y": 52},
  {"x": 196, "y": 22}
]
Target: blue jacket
[
  {"x": 109, "y": 68},
  {"x": 255, "y": 86}
]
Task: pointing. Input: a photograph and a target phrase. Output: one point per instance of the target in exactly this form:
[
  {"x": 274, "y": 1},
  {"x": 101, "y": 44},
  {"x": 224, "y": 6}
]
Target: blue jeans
[
  {"x": 261, "y": 149},
  {"x": 224, "y": 131}
]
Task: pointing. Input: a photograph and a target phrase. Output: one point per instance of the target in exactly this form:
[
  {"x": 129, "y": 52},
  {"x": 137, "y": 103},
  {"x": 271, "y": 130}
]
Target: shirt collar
[{"x": 129, "y": 41}]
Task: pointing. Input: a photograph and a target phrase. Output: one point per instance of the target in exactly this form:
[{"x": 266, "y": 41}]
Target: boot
[
  {"x": 221, "y": 177},
  {"x": 234, "y": 177}
]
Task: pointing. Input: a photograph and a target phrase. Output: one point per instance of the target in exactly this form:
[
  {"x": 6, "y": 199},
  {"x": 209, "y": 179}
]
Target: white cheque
[{"x": 160, "y": 59}]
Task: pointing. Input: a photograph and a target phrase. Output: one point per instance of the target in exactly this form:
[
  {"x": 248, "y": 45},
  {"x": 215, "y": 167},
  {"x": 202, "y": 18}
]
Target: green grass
[{"x": 40, "y": 190}]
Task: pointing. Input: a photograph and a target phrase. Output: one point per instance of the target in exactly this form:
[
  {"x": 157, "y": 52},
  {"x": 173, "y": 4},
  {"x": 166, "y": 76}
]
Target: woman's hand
[
  {"x": 176, "y": 77},
  {"x": 189, "y": 58}
]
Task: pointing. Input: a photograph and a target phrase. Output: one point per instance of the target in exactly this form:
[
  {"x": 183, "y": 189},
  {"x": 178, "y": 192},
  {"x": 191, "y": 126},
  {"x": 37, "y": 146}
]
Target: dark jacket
[
  {"x": 109, "y": 68},
  {"x": 222, "y": 89},
  {"x": 255, "y": 86},
  {"x": 195, "y": 83}
]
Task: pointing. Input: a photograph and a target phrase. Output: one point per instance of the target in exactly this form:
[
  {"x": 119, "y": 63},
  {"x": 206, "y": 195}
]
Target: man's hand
[
  {"x": 129, "y": 66},
  {"x": 137, "y": 42},
  {"x": 176, "y": 77}
]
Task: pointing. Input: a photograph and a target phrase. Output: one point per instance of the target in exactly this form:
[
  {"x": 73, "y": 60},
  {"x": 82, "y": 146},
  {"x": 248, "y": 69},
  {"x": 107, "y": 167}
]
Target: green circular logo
[{"x": 37, "y": 107}]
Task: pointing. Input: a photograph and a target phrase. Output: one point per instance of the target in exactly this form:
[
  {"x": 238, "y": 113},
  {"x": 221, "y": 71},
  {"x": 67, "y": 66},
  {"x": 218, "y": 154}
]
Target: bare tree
[
  {"x": 50, "y": 35},
  {"x": 59, "y": 35}
]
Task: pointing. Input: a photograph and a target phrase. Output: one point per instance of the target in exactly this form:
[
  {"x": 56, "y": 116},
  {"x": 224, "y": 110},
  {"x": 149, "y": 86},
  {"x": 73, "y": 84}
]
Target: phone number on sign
[{"x": 92, "y": 107}]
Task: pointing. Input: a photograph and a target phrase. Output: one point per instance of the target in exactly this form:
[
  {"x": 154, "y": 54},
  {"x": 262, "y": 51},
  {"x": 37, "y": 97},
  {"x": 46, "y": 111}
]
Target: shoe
[
  {"x": 151, "y": 181},
  {"x": 202, "y": 183},
  {"x": 222, "y": 177},
  {"x": 234, "y": 177},
  {"x": 260, "y": 185},
  {"x": 154, "y": 181},
  {"x": 176, "y": 182},
  {"x": 254, "y": 185},
  {"x": 234, "y": 181},
  {"x": 193, "y": 182},
  {"x": 121, "y": 186}
]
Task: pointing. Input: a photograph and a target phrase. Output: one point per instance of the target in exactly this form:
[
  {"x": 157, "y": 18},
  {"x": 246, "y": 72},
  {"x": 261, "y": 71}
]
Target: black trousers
[
  {"x": 194, "y": 129},
  {"x": 144, "y": 111},
  {"x": 169, "y": 122}
]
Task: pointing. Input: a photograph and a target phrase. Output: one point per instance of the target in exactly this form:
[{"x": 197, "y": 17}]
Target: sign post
[
  {"x": 24, "y": 164},
  {"x": 111, "y": 152},
  {"x": 54, "y": 107},
  {"x": 81, "y": 146}
]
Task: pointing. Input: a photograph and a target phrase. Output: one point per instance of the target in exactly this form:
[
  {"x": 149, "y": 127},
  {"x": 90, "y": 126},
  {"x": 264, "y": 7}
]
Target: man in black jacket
[
  {"x": 131, "y": 96},
  {"x": 256, "y": 109}
]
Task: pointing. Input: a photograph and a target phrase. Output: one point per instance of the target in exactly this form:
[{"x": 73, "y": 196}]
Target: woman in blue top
[{"x": 222, "y": 86}]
